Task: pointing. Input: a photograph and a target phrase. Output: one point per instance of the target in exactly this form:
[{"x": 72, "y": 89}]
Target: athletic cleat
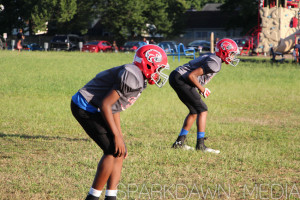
[
  {"x": 201, "y": 146},
  {"x": 91, "y": 197},
  {"x": 209, "y": 150},
  {"x": 179, "y": 144},
  {"x": 187, "y": 147}
]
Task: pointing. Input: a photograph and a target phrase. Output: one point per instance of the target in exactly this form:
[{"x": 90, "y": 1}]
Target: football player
[
  {"x": 189, "y": 80},
  {"x": 97, "y": 106}
]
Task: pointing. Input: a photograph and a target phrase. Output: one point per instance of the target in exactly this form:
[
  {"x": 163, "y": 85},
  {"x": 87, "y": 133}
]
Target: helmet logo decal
[
  {"x": 153, "y": 55},
  {"x": 226, "y": 46}
]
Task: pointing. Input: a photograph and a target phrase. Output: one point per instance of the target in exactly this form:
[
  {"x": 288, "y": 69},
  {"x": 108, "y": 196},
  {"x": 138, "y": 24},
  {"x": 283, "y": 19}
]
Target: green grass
[{"x": 254, "y": 119}]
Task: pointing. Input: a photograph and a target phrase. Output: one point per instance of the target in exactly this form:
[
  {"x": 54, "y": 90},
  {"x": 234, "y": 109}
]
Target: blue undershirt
[{"x": 80, "y": 101}]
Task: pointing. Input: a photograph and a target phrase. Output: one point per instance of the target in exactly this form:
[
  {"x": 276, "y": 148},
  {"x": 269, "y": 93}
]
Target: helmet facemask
[
  {"x": 158, "y": 77},
  {"x": 232, "y": 59}
]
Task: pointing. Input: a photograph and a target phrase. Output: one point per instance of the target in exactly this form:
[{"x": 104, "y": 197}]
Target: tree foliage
[
  {"x": 133, "y": 17},
  {"x": 41, "y": 15},
  {"x": 58, "y": 16},
  {"x": 9, "y": 16},
  {"x": 198, "y": 4},
  {"x": 53, "y": 13},
  {"x": 247, "y": 13},
  {"x": 123, "y": 19}
]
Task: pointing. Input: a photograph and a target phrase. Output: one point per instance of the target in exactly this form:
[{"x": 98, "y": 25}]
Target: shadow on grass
[
  {"x": 44, "y": 137},
  {"x": 253, "y": 60},
  {"x": 267, "y": 60}
]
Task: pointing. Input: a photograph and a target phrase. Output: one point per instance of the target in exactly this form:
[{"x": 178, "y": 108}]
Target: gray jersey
[
  {"x": 127, "y": 80},
  {"x": 211, "y": 65}
]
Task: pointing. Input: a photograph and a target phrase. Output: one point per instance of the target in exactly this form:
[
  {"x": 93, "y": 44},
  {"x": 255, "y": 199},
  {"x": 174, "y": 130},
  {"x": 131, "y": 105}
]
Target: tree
[
  {"x": 130, "y": 18},
  {"x": 121, "y": 18},
  {"x": 53, "y": 14},
  {"x": 198, "y": 4},
  {"x": 41, "y": 15},
  {"x": 247, "y": 13},
  {"x": 56, "y": 16},
  {"x": 166, "y": 16},
  {"x": 81, "y": 22},
  {"x": 175, "y": 15},
  {"x": 15, "y": 14}
]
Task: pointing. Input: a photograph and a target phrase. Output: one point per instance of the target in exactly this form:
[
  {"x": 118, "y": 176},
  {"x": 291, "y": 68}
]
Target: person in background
[
  {"x": 20, "y": 38},
  {"x": 296, "y": 51},
  {"x": 217, "y": 40},
  {"x": 152, "y": 41},
  {"x": 115, "y": 47},
  {"x": 145, "y": 40}
]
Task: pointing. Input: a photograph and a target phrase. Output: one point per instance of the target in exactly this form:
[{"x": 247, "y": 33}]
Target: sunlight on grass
[{"x": 253, "y": 119}]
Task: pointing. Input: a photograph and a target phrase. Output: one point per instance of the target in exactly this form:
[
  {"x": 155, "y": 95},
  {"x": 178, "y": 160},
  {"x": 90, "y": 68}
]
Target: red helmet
[
  {"x": 227, "y": 50},
  {"x": 152, "y": 60}
]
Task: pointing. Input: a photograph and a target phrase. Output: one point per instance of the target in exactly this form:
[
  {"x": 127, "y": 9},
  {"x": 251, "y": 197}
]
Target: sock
[
  {"x": 111, "y": 194},
  {"x": 183, "y": 132},
  {"x": 200, "y": 135},
  {"x": 94, "y": 192}
]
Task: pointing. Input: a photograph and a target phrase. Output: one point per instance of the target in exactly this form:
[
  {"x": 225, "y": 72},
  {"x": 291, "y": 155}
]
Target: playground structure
[
  {"x": 279, "y": 25},
  {"x": 277, "y": 29},
  {"x": 182, "y": 51}
]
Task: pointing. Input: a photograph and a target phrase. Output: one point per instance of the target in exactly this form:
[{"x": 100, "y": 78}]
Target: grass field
[{"x": 254, "y": 119}]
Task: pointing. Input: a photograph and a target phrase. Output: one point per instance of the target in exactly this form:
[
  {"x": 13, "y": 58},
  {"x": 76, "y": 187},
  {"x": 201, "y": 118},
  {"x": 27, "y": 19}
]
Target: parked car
[
  {"x": 28, "y": 47},
  {"x": 168, "y": 46},
  {"x": 199, "y": 45},
  {"x": 132, "y": 45},
  {"x": 34, "y": 47},
  {"x": 68, "y": 42},
  {"x": 96, "y": 46}
]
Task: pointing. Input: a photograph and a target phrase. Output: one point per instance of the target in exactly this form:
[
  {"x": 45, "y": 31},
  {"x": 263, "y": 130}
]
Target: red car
[
  {"x": 132, "y": 45},
  {"x": 96, "y": 46}
]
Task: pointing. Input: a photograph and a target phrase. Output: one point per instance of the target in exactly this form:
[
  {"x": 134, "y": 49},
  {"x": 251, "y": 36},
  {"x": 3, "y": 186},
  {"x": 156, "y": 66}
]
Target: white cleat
[
  {"x": 180, "y": 145},
  {"x": 187, "y": 147},
  {"x": 209, "y": 150},
  {"x": 201, "y": 146}
]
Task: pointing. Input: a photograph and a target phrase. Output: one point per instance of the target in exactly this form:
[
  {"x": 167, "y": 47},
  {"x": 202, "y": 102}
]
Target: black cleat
[
  {"x": 201, "y": 146},
  {"x": 91, "y": 197},
  {"x": 179, "y": 144}
]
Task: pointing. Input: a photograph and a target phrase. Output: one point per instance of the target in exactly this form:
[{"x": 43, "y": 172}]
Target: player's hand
[
  {"x": 120, "y": 149},
  {"x": 206, "y": 93}
]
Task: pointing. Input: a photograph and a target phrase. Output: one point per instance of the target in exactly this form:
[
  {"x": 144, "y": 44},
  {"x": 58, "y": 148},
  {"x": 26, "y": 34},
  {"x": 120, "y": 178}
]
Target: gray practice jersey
[
  {"x": 211, "y": 64},
  {"x": 127, "y": 80}
]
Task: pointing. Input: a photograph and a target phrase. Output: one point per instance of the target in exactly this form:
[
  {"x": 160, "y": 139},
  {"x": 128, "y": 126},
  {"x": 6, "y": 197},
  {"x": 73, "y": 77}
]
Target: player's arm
[
  {"x": 193, "y": 79},
  {"x": 118, "y": 123},
  {"x": 106, "y": 105}
]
